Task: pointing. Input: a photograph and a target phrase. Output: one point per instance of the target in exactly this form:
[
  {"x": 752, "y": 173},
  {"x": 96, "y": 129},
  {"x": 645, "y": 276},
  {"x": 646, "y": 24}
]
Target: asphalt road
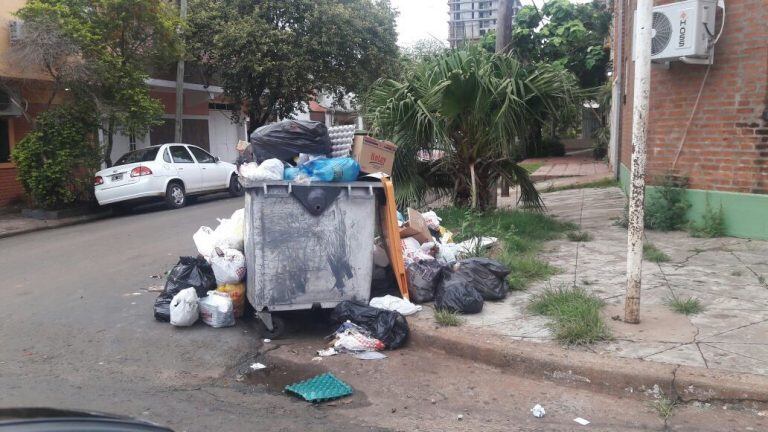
[{"x": 77, "y": 332}]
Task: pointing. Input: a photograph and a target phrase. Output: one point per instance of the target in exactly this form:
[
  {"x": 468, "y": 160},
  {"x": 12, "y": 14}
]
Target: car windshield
[{"x": 143, "y": 155}]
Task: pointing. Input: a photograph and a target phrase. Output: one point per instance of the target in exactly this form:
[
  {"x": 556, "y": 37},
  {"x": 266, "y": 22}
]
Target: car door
[
  {"x": 188, "y": 171},
  {"x": 214, "y": 175}
]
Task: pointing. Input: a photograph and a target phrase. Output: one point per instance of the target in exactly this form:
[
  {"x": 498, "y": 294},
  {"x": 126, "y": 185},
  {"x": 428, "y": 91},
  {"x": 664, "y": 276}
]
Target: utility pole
[
  {"x": 642, "y": 87},
  {"x": 503, "y": 38},
  {"x": 177, "y": 137}
]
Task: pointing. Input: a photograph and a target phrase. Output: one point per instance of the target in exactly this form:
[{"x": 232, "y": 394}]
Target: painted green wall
[{"x": 746, "y": 215}]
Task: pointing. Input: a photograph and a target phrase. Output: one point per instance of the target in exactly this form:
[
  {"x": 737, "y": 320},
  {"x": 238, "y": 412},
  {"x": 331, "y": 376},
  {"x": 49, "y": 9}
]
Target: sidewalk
[
  {"x": 12, "y": 224},
  {"x": 728, "y": 276},
  {"x": 568, "y": 166}
]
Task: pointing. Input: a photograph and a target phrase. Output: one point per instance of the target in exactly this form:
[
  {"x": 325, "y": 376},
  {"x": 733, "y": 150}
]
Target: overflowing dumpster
[{"x": 307, "y": 245}]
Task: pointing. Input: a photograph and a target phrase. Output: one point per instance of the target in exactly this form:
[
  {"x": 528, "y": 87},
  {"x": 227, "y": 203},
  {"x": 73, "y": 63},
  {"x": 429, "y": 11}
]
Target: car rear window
[{"x": 143, "y": 155}]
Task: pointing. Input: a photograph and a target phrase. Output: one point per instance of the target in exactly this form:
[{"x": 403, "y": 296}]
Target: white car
[{"x": 171, "y": 172}]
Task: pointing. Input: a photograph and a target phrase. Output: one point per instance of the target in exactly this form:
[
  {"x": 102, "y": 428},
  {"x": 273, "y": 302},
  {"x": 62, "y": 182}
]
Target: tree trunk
[
  {"x": 473, "y": 184},
  {"x": 504, "y": 26},
  {"x": 110, "y": 143}
]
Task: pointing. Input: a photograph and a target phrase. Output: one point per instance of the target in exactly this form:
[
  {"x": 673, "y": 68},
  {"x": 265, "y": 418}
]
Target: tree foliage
[
  {"x": 56, "y": 160},
  {"x": 565, "y": 33},
  {"x": 272, "y": 56},
  {"x": 467, "y": 108},
  {"x": 112, "y": 43}
]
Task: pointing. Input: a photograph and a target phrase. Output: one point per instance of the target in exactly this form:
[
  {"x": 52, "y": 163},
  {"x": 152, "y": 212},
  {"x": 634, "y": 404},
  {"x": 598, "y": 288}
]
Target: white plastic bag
[
  {"x": 228, "y": 266},
  {"x": 230, "y": 232},
  {"x": 270, "y": 169},
  {"x": 205, "y": 241},
  {"x": 184, "y": 311},
  {"x": 217, "y": 309},
  {"x": 412, "y": 251},
  {"x": 432, "y": 219},
  {"x": 392, "y": 303}
]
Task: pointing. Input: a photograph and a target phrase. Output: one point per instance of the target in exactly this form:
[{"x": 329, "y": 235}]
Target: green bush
[
  {"x": 56, "y": 160},
  {"x": 667, "y": 206}
]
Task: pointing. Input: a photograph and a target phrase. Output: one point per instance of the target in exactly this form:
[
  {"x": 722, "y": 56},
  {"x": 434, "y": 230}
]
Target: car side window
[
  {"x": 166, "y": 156},
  {"x": 201, "y": 155},
  {"x": 181, "y": 155}
]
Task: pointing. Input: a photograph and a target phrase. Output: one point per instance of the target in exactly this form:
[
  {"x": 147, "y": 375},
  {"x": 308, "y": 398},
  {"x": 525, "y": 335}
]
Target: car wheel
[
  {"x": 235, "y": 188},
  {"x": 174, "y": 195}
]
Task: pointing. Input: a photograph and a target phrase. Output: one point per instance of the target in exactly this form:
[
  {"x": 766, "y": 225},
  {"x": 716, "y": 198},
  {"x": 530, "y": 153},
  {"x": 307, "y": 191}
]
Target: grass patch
[
  {"x": 689, "y": 306},
  {"x": 448, "y": 318},
  {"x": 575, "y": 314},
  {"x": 712, "y": 223},
  {"x": 520, "y": 233},
  {"x": 653, "y": 254},
  {"x": 664, "y": 406},
  {"x": 578, "y": 236},
  {"x": 531, "y": 167},
  {"x": 597, "y": 184}
]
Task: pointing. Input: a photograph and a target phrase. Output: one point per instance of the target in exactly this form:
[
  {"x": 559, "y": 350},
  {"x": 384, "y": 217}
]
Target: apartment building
[{"x": 470, "y": 20}]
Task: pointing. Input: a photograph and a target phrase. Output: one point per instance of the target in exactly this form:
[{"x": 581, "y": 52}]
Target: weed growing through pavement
[
  {"x": 448, "y": 319},
  {"x": 575, "y": 315},
  {"x": 654, "y": 254},
  {"x": 579, "y": 236},
  {"x": 688, "y": 306},
  {"x": 664, "y": 406}
]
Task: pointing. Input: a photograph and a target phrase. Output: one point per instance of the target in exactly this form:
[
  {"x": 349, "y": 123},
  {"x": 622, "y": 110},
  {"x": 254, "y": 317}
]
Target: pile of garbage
[
  {"x": 436, "y": 271},
  {"x": 210, "y": 286},
  {"x": 297, "y": 151}
]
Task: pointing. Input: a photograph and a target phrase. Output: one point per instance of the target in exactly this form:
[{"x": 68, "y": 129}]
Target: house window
[
  {"x": 5, "y": 141},
  {"x": 482, "y": 32}
]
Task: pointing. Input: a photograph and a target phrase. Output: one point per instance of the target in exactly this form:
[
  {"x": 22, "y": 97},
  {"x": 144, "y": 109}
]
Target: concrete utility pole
[
  {"x": 503, "y": 38},
  {"x": 177, "y": 137},
  {"x": 642, "y": 87}
]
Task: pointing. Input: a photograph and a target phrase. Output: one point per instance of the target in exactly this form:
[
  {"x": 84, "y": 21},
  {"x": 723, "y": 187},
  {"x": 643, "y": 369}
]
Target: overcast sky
[{"x": 422, "y": 19}]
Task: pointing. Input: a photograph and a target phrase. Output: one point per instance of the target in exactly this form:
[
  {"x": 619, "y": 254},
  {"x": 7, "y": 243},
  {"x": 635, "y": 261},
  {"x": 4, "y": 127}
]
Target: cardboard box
[
  {"x": 416, "y": 227},
  {"x": 373, "y": 155}
]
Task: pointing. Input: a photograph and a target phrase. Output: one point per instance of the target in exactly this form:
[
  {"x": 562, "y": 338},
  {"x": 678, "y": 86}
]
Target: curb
[
  {"x": 80, "y": 220},
  {"x": 611, "y": 375}
]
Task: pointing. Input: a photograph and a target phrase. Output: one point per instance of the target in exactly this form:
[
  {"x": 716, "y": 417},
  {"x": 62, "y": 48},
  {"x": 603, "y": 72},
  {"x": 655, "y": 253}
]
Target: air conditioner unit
[
  {"x": 681, "y": 30},
  {"x": 16, "y": 31}
]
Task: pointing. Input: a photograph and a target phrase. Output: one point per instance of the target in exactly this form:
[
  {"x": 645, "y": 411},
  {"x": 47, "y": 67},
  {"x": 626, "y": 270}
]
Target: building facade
[
  {"x": 707, "y": 123},
  {"x": 206, "y": 116},
  {"x": 470, "y": 20}
]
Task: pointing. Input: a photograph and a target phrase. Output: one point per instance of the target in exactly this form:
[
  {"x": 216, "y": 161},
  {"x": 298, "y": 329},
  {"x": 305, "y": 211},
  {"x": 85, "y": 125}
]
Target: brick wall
[
  {"x": 726, "y": 148},
  {"x": 10, "y": 189}
]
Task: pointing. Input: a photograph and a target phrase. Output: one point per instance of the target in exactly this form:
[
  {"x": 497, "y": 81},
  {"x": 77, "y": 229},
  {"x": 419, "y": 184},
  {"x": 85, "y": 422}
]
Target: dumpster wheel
[{"x": 278, "y": 327}]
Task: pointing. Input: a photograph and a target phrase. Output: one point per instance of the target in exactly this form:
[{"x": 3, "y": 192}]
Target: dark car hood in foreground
[{"x": 56, "y": 420}]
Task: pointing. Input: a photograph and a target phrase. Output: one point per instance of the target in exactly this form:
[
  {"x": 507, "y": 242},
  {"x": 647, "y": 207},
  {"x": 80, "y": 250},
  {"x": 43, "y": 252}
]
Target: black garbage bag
[
  {"x": 423, "y": 278},
  {"x": 286, "y": 139},
  {"x": 192, "y": 272},
  {"x": 383, "y": 282},
  {"x": 389, "y": 327},
  {"x": 163, "y": 307},
  {"x": 485, "y": 275},
  {"x": 456, "y": 295},
  {"x": 189, "y": 272}
]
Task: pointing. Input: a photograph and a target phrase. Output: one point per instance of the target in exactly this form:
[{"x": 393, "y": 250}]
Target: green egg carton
[{"x": 321, "y": 388}]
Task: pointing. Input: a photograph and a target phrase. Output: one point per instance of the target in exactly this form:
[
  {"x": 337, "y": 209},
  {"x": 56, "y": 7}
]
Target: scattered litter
[
  {"x": 155, "y": 288},
  {"x": 156, "y": 276},
  {"x": 320, "y": 388},
  {"x": 184, "y": 308},
  {"x": 392, "y": 303},
  {"x": 258, "y": 366},
  {"x": 538, "y": 411},
  {"x": 370, "y": 355},
  {"x": 355, "y": 340},
  {"x": 267, "y": 340},
  {"x": 581, "y": 421},
  {"x": 460, "y": 417},
  {"x": 432, "y": 220},
  {"x": 327, "y": 352},
  {"x": 317, "y": 359}
]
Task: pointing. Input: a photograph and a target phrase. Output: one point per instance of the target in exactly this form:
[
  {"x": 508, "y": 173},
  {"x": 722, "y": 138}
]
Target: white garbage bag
[
  {"x": 205, "y": 241},
  {"x": 270, "y": 169},
  {"x": 230, "y": 232},
  {"x": 184, "y": 310},
  {"x": 217, "y": 309},
  {"x": 228, "y": 266},
  {"x": 432, "y": 220},
  {"x": 392, "y": 303}
]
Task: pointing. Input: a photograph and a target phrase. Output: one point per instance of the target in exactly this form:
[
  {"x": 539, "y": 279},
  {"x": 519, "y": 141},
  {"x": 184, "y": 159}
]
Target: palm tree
[{"x": 470, "y": 108}]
